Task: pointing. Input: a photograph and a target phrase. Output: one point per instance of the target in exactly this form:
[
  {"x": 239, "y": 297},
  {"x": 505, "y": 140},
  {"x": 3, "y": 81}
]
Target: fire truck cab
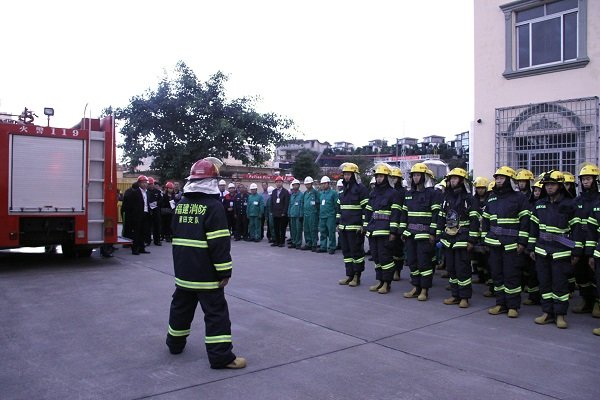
[{"x": 58, "y": 186}]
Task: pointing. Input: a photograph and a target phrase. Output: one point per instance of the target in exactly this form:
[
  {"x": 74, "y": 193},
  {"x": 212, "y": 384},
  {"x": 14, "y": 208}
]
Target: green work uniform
[
  {"x": 295, "y": 215},
  {"x": 255, "y": 210},
  {"x": 328, "y": 209},
  {"x": 310, "y": 212}
]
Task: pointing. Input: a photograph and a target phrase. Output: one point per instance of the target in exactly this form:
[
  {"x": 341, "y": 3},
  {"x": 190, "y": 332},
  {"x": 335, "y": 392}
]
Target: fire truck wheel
[
  {"x": 68, "y": 250},
  {"x": 84, "y": 252},
  {"x": 50, "y": 249},
  {"x": 107, "y": 250}
]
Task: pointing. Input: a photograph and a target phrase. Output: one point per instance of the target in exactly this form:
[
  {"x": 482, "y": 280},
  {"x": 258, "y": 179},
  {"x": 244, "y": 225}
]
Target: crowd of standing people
[{"x": 516, "y": 233}]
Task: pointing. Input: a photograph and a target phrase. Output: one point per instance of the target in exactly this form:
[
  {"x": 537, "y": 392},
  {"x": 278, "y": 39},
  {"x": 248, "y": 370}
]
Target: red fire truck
[{"x": 58, "y": 186}]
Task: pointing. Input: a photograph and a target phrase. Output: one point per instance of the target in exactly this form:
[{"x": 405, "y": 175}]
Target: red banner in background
[{"x": 263, "y": 177}]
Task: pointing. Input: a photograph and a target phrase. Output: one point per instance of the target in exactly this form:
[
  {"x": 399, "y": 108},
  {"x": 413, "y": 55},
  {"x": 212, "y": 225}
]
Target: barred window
[{"x": 555, "y": 135}]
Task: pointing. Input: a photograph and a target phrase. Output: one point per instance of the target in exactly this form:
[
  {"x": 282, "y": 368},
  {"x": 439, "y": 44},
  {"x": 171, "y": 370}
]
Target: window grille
[{"x": 554, "y": 135}]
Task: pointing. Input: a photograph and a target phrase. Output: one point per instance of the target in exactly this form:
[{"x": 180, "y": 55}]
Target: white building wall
[{"x": 493, "y": 91}]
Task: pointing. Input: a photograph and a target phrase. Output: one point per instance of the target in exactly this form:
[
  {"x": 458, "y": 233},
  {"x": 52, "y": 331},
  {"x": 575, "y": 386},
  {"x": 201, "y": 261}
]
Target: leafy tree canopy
[
  {"x": 304, "y": 165},
  {"x": 184, "y": 120}
]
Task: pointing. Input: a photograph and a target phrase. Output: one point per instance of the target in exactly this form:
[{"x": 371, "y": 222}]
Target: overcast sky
[{"x": 342, "y": 70}]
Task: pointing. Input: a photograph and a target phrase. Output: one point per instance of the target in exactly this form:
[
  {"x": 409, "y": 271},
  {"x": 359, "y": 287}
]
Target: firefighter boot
[
  {"x": 414, "y": 292},
  {"x": 497, "y": 310},
  {"x": 596, "y": 331},
  {"x": 450, "y": 301},
  {"x": 513, "y": 313},
  {"x": 544, "y": 319},
  {"x": 385, "y": 288},
  {"x": 238, "y": 363},
  {"x": 561, "y": 323},
  {"x": 355, "y": 281},
  {"x": 464, "y": 303},
  {"x": 423, "y": 295},
  {"x": 396, "y": 275},
  {"x": 376, "y": 287},
  {"x": 345, "y": 281},
  {"x": 584, "y": 308},
  {"x": 596, "y": 310}
]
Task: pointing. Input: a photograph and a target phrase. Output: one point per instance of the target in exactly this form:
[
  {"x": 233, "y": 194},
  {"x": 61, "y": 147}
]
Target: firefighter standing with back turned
[
  {"x": 352, "y": 202},
  {"x": 202, "y": 262},
  {"x": 551, "y": 245},
  {"x": 505, "y": 229}
]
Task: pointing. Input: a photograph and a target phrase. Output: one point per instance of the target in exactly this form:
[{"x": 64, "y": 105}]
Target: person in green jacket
[
  {"x": 310, "y": 214},
  {"x": 328, "y": 209},
  {"x": 295, "y": 215},
  {"x": 255, "y": 211}
]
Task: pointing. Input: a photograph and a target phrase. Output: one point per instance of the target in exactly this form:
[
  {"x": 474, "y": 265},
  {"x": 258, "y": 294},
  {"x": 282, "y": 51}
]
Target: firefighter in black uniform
[
  {"x": 352, "y": 200},
  {"x": 584, "y": 275},
  {"x": 417, "y": 229},
  {"x": 525, "y": 180},
  {"x": 202, "y": 262},
  {"x": 396, "y": 183},
  {"x": 479, "y": 258},
  {"x": 505, "y": 228},
  {"x": 381, "y": 222},
  {"x": 551, "y": 245},
  {"x": 592, "y": 247},
  {"x": 458, "y": 231}
]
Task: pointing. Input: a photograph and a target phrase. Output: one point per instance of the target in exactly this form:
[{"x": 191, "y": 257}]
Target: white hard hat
[
  {"x": 270, "y": 189},
  {"x": 325, "y": 179},
  {"x": 308, "y": 179},
  {"x": 372, "y": 181},
  {"x": 295, "y": 181},
  {"x": 253, "y": 186},
  {"x": 222, "y": 182},
  {"x": 340, "y": 182},
  {"x": 231, "y": 185}
]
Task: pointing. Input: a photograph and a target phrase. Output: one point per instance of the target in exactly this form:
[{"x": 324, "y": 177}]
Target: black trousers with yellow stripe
[
  {"x": 506, "y": 268},
  {"x": 459, "y": 270},
  {"x": 554, "y": 283},
  {"x": 419, "y": 255},
  {"x": 216, "y": 319},
  {"x": 381, "y": 251},
  {"x": 353, "y": 249}
]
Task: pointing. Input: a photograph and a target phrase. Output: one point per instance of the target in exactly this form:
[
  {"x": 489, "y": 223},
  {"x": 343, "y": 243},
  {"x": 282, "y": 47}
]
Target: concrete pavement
[{"x": 95, "y": 329}]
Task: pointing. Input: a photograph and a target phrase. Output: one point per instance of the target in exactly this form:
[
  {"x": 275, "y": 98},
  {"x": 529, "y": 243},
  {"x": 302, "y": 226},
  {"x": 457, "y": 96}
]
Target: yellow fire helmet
[
  {"x": 382, "y": 168},
  {"x": 553, "y": 176},
  {"x": 349, "y": 167},
  {"x": 458, "y": 172},
  {"x": 524, "y": 175},
  {"x": 481, "y": 181},
  {"x": 396, "y": 172},
  {"x": 419, "y": 167},
  {"x": 430, "y": 173},
  {"x": 569, "y": 177},
  {"x": 491, "y": 186},
  {"x": 538, "y": 184},
  {"x": 589, "y": 169},
  {"x": 506, "y": 171}
]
